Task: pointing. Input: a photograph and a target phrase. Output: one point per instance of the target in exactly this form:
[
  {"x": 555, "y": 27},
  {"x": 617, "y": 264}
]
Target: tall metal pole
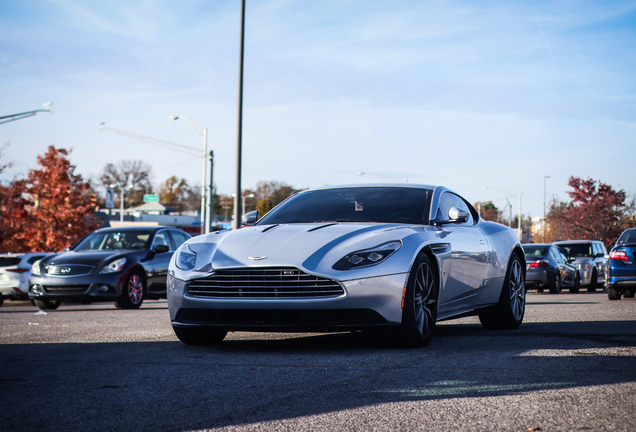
[
  {"x": 204, "y": 180},
  {"x": 545, "y": 224},
  {"x": 121, "y": 213},
  {"x": 210, "y": 197},
  {"x": 237, "y": 196}
]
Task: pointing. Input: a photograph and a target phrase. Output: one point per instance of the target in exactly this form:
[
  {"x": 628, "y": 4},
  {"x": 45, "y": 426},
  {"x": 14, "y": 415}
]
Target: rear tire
[
  {"x": 1, "y": 299},
  {"x": 419, "y": 313},
  {"x": 577, "y": 284},
  {"x": 509, "y": 312},
  {"x": 613, "y": 294},
  {"x": 47, "y": 304},
  {"x": 556, "y": 287},
  {"x": 199, "y": 336}
]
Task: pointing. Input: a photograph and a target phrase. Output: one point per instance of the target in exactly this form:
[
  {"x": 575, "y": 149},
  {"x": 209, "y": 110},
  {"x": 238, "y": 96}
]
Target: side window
[
  {"x": 556, "y": 254},
  {"x": 178, "y": 238},
  {"x": 161, "y": 238},
  {"x": 448, "y": 200},
  {"x": 595, "y": 249}
]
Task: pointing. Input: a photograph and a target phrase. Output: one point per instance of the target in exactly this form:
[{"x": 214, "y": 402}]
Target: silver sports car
[{"x": 350, "y": 258}]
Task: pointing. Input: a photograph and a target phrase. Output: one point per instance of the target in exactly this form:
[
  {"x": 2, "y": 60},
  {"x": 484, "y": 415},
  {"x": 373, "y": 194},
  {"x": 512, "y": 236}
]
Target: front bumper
[
  {"x": 106, "y": 287},
  {"x": 369, "y": 302}
]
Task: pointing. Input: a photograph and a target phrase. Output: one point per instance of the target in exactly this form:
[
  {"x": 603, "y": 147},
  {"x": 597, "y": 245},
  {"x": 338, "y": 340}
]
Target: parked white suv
[
  {"x": 591, "y": 260},
  {"x": 14, "y": 274}
]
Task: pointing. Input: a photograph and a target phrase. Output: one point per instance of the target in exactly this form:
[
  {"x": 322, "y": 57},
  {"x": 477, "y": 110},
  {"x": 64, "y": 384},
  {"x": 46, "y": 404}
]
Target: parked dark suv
[
  {"x": 621, "y": 268},
  {"x": 124, "y": 265},
  {"x": 590, "y": 259}
]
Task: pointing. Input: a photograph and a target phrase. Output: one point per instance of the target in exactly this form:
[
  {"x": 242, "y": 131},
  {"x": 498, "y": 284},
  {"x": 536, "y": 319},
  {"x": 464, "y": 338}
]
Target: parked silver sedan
[{"x": 350, "y": 258}]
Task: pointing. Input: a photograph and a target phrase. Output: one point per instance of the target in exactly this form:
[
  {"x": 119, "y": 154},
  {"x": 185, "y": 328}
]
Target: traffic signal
[{"x": 93, "y": 201}]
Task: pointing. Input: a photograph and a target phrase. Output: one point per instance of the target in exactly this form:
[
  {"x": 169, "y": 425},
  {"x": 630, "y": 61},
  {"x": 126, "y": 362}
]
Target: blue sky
[{"x": 467, "y": 94}]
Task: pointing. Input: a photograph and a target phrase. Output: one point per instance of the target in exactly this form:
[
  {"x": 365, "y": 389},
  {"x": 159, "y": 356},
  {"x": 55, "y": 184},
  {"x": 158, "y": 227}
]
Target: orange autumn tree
[
  {"x": 13, "y": 214},
  {"x": 60, "y": 210}
]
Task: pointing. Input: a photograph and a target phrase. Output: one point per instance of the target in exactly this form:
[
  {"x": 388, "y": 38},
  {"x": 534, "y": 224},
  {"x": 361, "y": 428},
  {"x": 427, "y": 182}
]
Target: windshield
[
  {"x": 535, "y": 250},
  {"x": 577, "y": 249},
  {"x": 628, "y": 237},
  {"x": 115, "y": 240},
  {"x": 354, "y": 204}
]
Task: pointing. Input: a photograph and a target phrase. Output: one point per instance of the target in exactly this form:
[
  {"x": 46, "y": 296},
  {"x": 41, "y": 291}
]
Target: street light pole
[
  {"x": 237, "y": 202},
  {"x": 210, "y": 194},
  {"x": 19, "y": 116},
  {"x": 545, "y": 225},
  {"x": 121, "y": 199},
  {"x": 205, "y": 210}
]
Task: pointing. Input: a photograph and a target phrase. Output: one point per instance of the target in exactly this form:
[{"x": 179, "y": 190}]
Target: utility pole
[{"x": 237, "y": 198}]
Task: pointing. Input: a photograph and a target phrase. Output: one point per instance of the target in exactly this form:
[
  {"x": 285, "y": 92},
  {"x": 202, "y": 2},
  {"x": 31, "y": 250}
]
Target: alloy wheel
[
  {"x": 517, "y": 290},
  {"x": 135, "y": 289},
  {"x": 424, "y": 299}
]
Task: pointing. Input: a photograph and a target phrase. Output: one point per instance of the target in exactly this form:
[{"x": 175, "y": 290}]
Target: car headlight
[
  {"x": 35, "y": 269},
  {"x": 368, "y": 257},
  {"x": 114, "y": 267},
  {"x": 186, "y": 258}
]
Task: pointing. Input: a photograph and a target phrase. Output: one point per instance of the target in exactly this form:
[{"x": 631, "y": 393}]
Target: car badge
[
  {"x": 65, "y": 270},
  {"x": 256, "y": 258}
]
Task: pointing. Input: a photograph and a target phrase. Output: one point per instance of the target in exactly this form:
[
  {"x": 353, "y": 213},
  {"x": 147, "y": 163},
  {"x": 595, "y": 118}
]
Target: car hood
[
  {"x": 93, "y": 258},
  {"x": 312, "y": 247}
]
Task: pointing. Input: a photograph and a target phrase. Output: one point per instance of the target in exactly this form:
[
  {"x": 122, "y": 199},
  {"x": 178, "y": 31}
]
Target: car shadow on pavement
[{"x": 254, "y": 378}]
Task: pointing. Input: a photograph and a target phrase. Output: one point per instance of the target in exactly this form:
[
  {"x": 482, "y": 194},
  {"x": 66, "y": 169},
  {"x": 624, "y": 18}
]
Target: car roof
[
  {"x": 149, "y": 228},
  {"x": 575, "y": 241},
  {"x": 363, "y": 185},
  {"x": 23, "y": 254}
]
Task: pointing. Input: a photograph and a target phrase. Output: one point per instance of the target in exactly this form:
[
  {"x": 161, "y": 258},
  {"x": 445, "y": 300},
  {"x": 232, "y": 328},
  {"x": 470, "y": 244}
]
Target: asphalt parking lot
[{"x": 570, "y": 367}]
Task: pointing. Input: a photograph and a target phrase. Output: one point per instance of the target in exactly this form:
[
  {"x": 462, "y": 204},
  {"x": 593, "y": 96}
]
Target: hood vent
[{"x": 268, "y": 282}]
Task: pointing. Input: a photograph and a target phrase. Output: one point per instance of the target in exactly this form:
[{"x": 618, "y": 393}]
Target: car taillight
[
  {"x": 619, "y": 255},
  {"x": 18, "y": 270},
  {"x": 539, "y": 264}
]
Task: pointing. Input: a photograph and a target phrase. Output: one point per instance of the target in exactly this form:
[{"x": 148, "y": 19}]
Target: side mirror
[
  {"x": 457, "y": 215},
  {"x": 250, "y": 218},
  {"x": 571, "y": 259},
  {"x": 67, "y": 249},
  {"x": 160, "y": 249}
]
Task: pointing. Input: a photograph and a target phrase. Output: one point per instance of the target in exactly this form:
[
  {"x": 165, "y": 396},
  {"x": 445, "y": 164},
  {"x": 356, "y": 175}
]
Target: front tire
[
  {"x": 133, "y": 293},
  {"x": 419, "y": 312},
  {"x": 509, "y": 312},
  {"x": 593, "y": 282},
  {"x": 199, "y": 336},
  {"x": 47, "y": 304}
]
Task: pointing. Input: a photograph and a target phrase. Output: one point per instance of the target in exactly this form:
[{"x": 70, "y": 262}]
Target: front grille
[
  {"x": 281, "y": 319},
  {"x": 68, "y": 270},
  {"x": 66, "y": 289},
  {"x": 264, "y": 283}
]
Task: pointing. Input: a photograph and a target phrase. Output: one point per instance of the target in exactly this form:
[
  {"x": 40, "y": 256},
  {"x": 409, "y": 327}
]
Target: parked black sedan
[
  {"x": 124, "y": 265},
  {"x": 548, "y": 267}
]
